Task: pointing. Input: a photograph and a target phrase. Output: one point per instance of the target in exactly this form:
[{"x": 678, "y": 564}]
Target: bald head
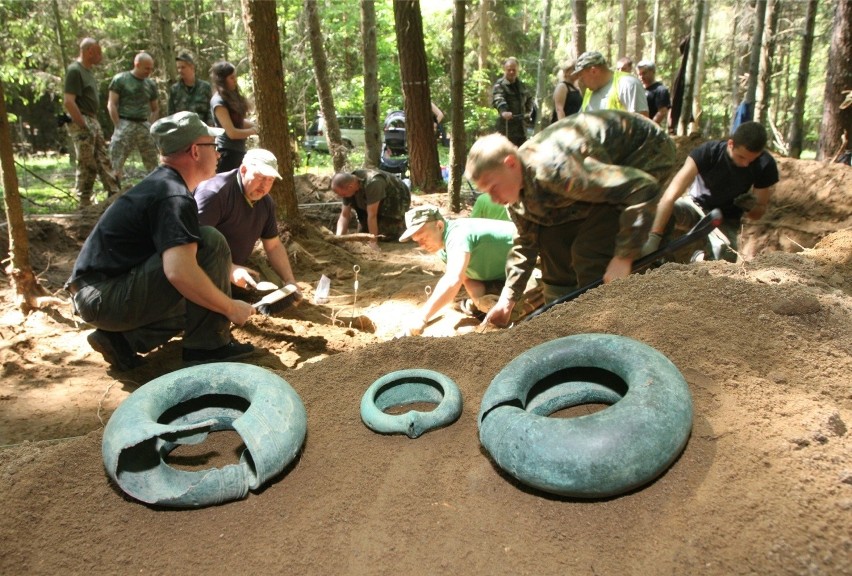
[
  {"x": 143, "y": 65},
  {"x": 90, "y": 52}
]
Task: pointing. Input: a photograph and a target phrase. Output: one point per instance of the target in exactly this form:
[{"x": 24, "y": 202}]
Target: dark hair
[
  {"x": 751, "y": 135},
  {"x": 235, "y": 101}
]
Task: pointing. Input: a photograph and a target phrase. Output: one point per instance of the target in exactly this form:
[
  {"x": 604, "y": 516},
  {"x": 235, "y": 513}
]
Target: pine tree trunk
[
  {"x": 641, "y": 27},
  {"x": 332, "y": 127},
  {"x": 542, "y": 72},
  {"x": 458, "y": 141},
  {"x": 579, "y": 22},
  {"x": 26, "y": 286},
  {"x": 372, "y": 133},
  {"x": 686, "y": 115},
  {"x": 796, "y": 135},
  {"x": 754, "y": 56},
  {"x": 485, "y": 7},
  {"x": 767, "y": 53},
  {"x": 836, "y": 121},
  {"x": 264, "y": 50},
  {"x": 419, "y": 127}
]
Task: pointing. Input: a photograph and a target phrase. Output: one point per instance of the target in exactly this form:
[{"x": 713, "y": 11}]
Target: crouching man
[
  {"x": 475, "y": 251},
  {"x": 148, "y": 271}
]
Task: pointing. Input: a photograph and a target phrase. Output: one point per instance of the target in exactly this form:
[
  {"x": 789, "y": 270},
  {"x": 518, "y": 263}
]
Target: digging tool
[
  {"x": 705, "y": 226},
  {"x": 277, "y": 297}
]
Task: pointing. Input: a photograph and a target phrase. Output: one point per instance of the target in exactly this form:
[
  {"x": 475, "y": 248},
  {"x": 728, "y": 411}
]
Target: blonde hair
[{"x": 488, "y": 153}]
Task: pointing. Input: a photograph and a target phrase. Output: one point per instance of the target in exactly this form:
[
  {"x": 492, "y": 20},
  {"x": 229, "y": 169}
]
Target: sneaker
[
  {"x": 233, "y": 350},
  {"x": 115, "y": 349}
]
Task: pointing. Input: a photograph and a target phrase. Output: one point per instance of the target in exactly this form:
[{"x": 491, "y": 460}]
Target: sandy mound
[{"x": 763, "y": 486}]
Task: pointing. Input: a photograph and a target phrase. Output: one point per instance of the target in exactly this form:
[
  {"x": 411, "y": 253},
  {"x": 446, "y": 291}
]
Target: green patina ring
[
  {"x": 405, "y": 387},
  {"x": 182, "y": 407},
  {"x": 606, "y": 453}
]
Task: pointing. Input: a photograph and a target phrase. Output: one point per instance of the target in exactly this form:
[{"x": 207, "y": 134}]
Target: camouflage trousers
[
  {"x": 129, "y": 136},
  {"x": 92, "y": 160}
]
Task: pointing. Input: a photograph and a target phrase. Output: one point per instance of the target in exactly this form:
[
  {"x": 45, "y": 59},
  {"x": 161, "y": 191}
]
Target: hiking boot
[
  {"x": 233, "y": 350},
  {"x": 115, "y": 349}
]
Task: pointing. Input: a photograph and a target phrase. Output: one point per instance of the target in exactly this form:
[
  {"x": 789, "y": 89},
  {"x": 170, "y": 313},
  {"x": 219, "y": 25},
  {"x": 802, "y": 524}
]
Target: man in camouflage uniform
[
  {"x": 582, "y": 194},
  {"x": 81, "y": 103},
  {"x": 189, "y": 93},
  {"x": 514, "y": 103},
  {"x": 379, "y": 199},
  {"x": 132, "y": 106}
]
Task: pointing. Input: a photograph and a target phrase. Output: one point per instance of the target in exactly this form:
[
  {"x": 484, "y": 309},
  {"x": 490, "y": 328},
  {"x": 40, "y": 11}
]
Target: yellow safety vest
[{"x": 613, "y": 102}]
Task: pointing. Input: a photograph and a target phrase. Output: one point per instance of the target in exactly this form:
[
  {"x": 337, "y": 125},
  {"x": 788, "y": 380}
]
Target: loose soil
[{"x": 764, "y": 485}]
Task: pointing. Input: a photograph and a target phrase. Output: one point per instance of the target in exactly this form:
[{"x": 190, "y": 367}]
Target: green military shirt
[
  {"x": 134, "y": 95},
  {"x": 195, "y": 98},
  {"x": 378, "y": 186},
  {"x": 608, "y": 157},
  {"x": 81, "y": 83}
]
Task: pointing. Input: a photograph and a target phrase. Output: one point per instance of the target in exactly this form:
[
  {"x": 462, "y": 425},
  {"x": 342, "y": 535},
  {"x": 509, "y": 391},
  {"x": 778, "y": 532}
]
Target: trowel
[{"x": 277, "y": 296}]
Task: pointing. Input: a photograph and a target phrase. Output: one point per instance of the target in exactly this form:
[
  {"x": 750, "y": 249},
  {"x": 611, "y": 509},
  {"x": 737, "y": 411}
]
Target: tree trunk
[
  {"x": 543, "y": 73},
  {"x": 332, "y": 127},
  {"x": 622, "y": 30},
  {"x": 763, "y": 93},
  {"x": 836, "y": 121},
  {"x": 264, "y": 50},
  {"x": 641, "y": 26},
  {"x": 796, "y": 135},
  {"x": 579, "y": 23},
  {"x": 687, "y": 114},
  {"x": 60, "y": 36},
  {"x": 422, "y": 145},
  {"x": 372, "y": 132},
  {"x": 458, "y": 142},
  {"x": 656, "y": 29},
  {"x": 699, "y": 69},
  {"x": 164, "y": 39},
  {"x": 27, "y": 289},
  {"x": 754, "y": 56},
  {"x": 485, "y": 7}
]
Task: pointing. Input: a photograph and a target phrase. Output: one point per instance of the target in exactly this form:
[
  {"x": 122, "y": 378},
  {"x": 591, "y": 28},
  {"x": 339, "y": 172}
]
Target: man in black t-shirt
[
  {"x": 148, "y": 271},
  {"x": 659, "y": 99},
  {"x": 736, "y": 175}
]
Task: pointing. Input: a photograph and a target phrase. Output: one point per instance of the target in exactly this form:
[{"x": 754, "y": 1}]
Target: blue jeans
[{"x": 145, "y": 307}]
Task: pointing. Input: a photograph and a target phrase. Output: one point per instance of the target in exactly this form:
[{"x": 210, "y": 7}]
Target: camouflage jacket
[
  {"x": 195, "y": 99},
  {"x": 610, "y": 157},
  {"x": 378, "y": 186}
]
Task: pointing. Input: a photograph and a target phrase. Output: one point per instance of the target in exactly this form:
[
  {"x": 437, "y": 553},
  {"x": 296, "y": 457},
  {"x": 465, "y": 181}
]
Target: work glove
[
  {"x": 652, "y": 244},
  {"x": 745, "y": 202}
]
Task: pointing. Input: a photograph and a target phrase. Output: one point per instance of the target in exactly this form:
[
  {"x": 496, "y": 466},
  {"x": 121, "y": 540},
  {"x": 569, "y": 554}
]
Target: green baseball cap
[
  {"x": 587, "y": 60},
  {"x": 417, "y": 217},
  {"x": 178, "y": 131}
]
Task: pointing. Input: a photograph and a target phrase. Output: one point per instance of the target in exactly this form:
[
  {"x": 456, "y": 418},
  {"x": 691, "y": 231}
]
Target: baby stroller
[{"x": 394, "y": 133}]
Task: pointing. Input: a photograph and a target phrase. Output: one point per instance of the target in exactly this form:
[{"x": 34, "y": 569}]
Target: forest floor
[{"x": 764, "y": 485}]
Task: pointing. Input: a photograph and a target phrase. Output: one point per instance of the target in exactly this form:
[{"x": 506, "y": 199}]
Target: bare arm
[
  {"x": 560, "y": 94},
  {"x": 231, "y": 131},
  {"x": 278, "y": 259},
  {"x": 677, "y": 187},
  {"x": 661, "y": 115},
  {"x": 182, "y": 270},
  {"x": 112, "y": 107},
  {"x": 155, "y": 111},
  {"x": 762, "y": 195},
  {"x": 373, "y": 222},
  {"x": 447, "y": 287},
  {"x": 343, "y": 220},
  {"x": 74, "y": 110}
]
